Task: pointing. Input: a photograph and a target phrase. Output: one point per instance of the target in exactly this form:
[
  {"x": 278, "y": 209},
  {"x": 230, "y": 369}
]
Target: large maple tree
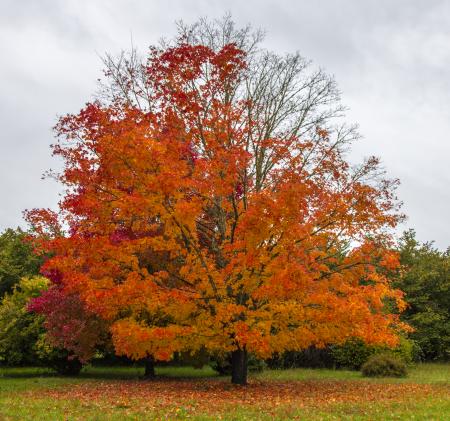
[{"x": 190, "y": 224}]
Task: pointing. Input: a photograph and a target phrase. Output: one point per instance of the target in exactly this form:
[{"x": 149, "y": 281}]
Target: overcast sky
[{"x": 391, "y": 60}]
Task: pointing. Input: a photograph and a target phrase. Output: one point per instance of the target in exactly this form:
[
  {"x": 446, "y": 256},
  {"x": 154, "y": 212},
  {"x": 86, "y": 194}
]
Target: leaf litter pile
[{"x": 215, "y": 397}]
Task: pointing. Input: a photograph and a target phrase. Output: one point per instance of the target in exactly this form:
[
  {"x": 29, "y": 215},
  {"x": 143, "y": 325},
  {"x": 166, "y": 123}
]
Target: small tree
[
  {"x": 215, "y": 217},
  {"x": 23, "y": 337},
  {"x": 19, "y": 330},
  {"x": 69, "y": 325},
  {"x": 17, "y": 259}
]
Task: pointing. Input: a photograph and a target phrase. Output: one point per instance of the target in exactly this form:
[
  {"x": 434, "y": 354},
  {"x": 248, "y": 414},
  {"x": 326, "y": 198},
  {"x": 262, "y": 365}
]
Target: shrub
[
  {"x": 255, "y": 364},
  {"x": 17, "y": 259},
  {"x": 68, "y": 322},
  {"x": 23, "y": 340},
  {"x": 311, "y": 357},
  {"x": 60, "y": 360},
  {"x": 197, "y": 359},
  {"x": 408, "y": 351},
  {"x": 67, "y": 367},
  {"x": 19, "y": 329},
  {"x": 354, "y": 352},
  {"x": 222, "y": 364},
  {"x": 384, "y": 365}
]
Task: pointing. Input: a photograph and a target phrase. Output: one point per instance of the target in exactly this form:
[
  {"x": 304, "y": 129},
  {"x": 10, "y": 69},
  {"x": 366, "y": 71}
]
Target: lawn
[{"x": 106, "y": 393}]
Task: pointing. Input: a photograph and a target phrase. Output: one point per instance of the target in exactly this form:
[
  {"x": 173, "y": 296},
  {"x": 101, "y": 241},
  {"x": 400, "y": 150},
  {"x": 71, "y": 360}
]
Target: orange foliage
[{"x": 188, "y": 232}]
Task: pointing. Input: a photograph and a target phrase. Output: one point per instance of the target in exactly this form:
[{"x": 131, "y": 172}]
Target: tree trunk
[
  {"x": 239, "y": 367},
  {"x": 149, "y": 368}
]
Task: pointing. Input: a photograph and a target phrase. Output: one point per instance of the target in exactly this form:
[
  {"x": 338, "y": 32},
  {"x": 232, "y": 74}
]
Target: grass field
[{"x": 106, "y": 393}]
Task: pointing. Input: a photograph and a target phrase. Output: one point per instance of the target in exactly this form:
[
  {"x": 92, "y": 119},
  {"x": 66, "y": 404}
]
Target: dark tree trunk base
[
  {"x": 67, "y": 367},
  {"x": 239, "y": 367},
  {"x": 149, "y": 368}
]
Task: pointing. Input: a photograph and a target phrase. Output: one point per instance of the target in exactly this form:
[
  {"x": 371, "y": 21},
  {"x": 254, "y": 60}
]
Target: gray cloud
[{"x": 391, "y": 61}]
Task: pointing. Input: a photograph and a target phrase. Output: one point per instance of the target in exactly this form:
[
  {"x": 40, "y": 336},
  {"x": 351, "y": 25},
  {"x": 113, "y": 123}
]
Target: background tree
[
  {"x": 425, "y": 279},
  {"x": 20, "y": 331},
  {"x": 24, "y": 339},
  {"x": 17, "y": 259},
  {"x": 230, "y": 175},
  {"x": 68, "y": 325}
]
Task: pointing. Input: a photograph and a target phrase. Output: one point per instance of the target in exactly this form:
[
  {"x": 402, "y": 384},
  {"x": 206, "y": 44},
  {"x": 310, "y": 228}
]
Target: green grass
[
  {"x": 428, "y": 373},
  {"x": 23, "y": 396},
  {"x": 26, "y": 378}
]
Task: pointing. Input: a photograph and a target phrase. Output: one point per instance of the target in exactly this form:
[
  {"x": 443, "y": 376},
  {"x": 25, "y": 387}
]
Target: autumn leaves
[{"x": 199, "y": 221}]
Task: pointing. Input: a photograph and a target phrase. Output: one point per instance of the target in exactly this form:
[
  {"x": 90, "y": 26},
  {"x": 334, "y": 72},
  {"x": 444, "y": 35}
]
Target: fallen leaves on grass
[{"x": 212, "y": 396}]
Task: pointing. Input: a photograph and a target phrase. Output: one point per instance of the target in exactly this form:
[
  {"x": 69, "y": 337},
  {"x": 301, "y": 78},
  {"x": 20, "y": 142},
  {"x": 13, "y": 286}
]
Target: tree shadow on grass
[
  {"x": 87, "y": 373},
  {"x": 112, "y": 373},
  {"x": 26, "y": 372}
]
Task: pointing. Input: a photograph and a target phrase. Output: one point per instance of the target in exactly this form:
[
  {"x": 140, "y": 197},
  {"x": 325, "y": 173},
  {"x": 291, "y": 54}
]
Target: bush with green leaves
[
  {"x": 58, "y": 359},
  {"x": 384, "y": 365},
  {"x": 311, "y": 357},
  {"x": 17, "y": 259},
  {"x": 20, "y": 330},
  {"x": 222, "y": 364},
  {"x": 197, "y": 359},
  {"x": 354, "y": 352},
  {"x": 407, "y": 350},
  {"x": 23, "y": 338}
]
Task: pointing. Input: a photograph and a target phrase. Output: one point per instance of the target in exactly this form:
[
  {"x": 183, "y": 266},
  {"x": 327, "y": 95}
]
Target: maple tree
[
  {"x": 191, "y": 224},
  {"x": 69, "y": 325}
]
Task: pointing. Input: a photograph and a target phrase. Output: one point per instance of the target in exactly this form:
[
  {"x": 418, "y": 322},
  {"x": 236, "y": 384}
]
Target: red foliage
[{"x": 69, "y": 325}]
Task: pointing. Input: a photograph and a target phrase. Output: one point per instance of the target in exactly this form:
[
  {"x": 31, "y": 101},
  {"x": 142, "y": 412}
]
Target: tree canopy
[
  {"x": 17, "y": 259},
  {"x": 425, "y": 279},
  {"x": 222, "y": 214},
  {"x": 21, "y": 331}
]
